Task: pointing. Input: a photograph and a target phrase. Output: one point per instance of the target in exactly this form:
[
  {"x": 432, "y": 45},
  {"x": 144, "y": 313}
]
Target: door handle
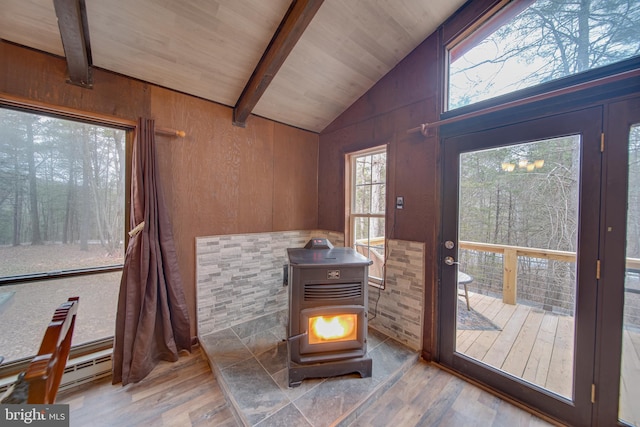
[{"x": 450, "y": 261}]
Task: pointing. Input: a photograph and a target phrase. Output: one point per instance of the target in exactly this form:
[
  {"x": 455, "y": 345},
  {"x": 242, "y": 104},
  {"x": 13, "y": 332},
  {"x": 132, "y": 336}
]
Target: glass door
[
  {"x": 629, "y": 410},
  {"x": 520, "y": 257},
  {"x": 618, "y": 342}
]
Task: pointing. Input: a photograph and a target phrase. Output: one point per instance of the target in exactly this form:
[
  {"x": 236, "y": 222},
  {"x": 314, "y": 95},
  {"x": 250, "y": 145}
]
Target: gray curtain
[{"x": 152, "y": 322}]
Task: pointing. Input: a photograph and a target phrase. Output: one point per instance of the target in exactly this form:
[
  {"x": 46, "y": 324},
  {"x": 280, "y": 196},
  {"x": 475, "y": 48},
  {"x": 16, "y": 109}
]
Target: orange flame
[{"x": 334, "y": 328}]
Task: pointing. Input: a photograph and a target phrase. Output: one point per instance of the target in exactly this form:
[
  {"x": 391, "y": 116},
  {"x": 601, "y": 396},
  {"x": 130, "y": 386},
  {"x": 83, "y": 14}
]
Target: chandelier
[{"x": 522, "y": 164}]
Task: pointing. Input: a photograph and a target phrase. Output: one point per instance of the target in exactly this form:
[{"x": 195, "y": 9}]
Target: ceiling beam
[
  {"x": 74, "y": 31},
  {"x": 296, "y": 20}
]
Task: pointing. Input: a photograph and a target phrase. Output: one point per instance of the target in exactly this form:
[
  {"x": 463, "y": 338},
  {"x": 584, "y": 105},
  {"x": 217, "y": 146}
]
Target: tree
[
  {"x": 36, "y": 239},
  {"x": 547, "y": 40},
  {"x": 525, "y": 205},
  {"x": 62, "y": 182}
]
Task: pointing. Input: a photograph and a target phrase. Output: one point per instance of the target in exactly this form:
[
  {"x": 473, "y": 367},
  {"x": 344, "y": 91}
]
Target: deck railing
[
  {"x": 510, "y": 255},
  {"x": 376, "y": 270}
]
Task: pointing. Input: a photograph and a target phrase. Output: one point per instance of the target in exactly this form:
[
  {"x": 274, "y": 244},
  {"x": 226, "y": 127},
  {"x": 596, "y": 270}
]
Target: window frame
[
  {"x": 455, "y": 32},
  {"x": 351, "y": 216},
  {"x": 12, "y": 367},
  {"x": 14, "y": 103}
]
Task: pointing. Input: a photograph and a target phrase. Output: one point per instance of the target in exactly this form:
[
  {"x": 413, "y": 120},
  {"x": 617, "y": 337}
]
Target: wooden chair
[{"x": 42, "y": 378}]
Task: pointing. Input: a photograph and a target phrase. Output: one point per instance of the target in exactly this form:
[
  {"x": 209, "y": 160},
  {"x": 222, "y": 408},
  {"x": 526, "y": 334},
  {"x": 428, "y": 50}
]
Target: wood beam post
[
  {"x": 72, "y": 21},
  {"x": 510, "y": 279},
  {"x": 296, "y": 20}
]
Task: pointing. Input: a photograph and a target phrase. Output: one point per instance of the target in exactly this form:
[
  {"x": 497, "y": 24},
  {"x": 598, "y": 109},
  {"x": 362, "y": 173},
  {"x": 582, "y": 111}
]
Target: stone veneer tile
[
  {"x": 239, "y": 277},
  {"x": 400, "y": 307}
]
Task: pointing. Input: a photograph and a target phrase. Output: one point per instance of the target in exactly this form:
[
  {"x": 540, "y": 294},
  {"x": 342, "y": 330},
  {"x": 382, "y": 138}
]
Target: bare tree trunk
[
  {"x": 67, "y": 228},
  {"x": 99, "y": 205},
  {"x": 85, "y": 204},
  {"x": 119, "y": 219},
  {"x": 17, "y": 211},
  {"x": 36, "y": 239},
  {"x": 497, "y": 227},
  {"x": 582, "y": 60}
]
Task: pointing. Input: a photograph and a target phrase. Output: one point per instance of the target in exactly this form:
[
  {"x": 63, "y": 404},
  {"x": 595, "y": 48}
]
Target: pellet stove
[{"x": 327, "y": 312}]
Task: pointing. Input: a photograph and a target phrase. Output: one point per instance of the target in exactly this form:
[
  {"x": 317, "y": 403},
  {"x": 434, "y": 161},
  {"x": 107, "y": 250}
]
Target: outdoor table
[{"x": 464, "y": 279}]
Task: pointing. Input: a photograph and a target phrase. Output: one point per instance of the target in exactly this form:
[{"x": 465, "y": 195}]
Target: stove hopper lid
[
  {"x": 326, "y": 257},
  {"x": 318, "y": 243}
]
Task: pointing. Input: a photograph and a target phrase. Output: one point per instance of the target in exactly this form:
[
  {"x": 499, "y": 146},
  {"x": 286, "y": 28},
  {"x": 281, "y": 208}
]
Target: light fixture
[
  {"x": 522, "y": 164},
  {"x": 508, "y": 167}
]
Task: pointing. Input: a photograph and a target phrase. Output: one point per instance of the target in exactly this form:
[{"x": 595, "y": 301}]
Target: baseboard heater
[{"x": 79, "y": 370}]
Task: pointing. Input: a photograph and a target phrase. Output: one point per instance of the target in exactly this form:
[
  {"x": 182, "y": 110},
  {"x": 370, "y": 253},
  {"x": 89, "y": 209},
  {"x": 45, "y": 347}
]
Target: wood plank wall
[
  {"x": 409, "y": 95},
  {"x": 220, "y": 179},
  {"x": 404, "y": 98}
]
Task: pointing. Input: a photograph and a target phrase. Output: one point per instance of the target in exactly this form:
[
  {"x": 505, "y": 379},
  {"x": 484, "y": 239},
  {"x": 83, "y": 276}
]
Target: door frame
[
  {"x": 589, "y": 123},
  {"x": 619, "y": 116}
]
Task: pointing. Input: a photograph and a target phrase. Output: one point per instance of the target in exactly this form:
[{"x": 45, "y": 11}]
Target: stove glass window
[{"x": 341, "y": 327}]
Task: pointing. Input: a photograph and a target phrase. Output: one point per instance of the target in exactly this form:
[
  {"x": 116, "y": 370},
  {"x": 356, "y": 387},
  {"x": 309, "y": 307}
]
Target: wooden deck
[
  {"x": 630, "y": 410},
  {"x": 537, "y": 346}
]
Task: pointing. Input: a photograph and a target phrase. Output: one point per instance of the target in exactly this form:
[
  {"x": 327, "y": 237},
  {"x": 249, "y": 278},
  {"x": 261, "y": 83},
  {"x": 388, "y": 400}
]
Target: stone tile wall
[
  {"x": 400, "y": 305},
  {"x": 239, "y": 277}
]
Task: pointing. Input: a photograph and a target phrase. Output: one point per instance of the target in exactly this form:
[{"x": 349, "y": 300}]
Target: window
[
  {"x": 366, "y": 203},
  {"x": 62, "y": 218},
  {"x": 530, "y": 42}
]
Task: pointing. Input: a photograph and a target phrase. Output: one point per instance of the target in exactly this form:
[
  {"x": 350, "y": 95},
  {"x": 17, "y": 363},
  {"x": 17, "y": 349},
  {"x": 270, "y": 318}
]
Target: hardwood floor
[
  {"x": 429, "y": 396},
  {"x": 186, "y": 393},
  {"x": 530, "y": 344}
]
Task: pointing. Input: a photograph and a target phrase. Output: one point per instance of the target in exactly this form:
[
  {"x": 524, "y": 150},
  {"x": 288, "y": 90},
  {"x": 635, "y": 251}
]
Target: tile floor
[{"x": 249, "y": 361}]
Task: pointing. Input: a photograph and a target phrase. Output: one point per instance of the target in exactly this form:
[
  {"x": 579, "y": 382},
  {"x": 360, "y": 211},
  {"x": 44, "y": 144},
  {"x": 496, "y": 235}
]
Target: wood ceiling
[{"x": 210, "y": 48}]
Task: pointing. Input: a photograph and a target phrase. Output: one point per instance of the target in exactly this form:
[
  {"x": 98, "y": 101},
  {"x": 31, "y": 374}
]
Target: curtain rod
[
  {"x": 170, "y": 132},
  {"x": 581, "y": 86}
]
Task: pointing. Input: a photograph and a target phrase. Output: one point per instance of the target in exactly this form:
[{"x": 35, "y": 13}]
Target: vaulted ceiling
[{"x": 211, "y": 48}]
